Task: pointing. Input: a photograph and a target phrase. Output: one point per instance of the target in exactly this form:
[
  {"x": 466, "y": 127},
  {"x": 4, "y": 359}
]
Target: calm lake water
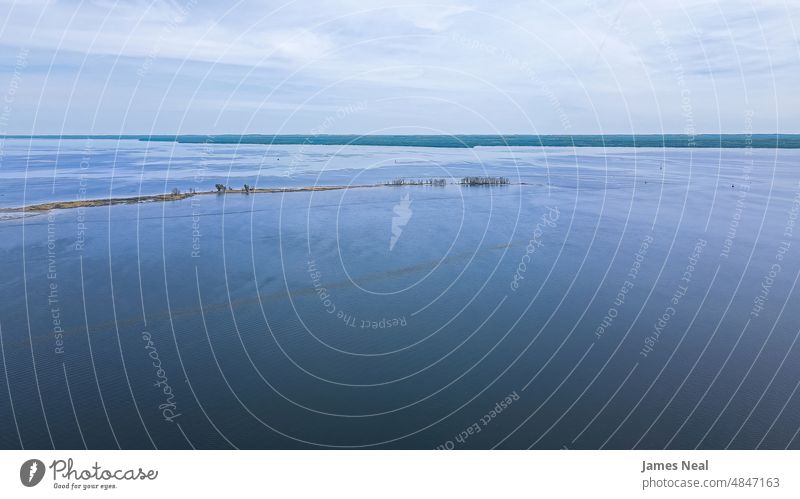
[{"x": 608, "y": 298}]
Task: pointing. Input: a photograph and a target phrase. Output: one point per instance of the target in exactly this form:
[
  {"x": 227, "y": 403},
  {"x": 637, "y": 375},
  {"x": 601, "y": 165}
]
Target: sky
[{"x": 347, "y": 66}]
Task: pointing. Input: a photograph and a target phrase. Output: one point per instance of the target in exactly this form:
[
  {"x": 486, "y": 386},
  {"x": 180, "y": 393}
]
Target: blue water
[{"x": 400, "y": 316}]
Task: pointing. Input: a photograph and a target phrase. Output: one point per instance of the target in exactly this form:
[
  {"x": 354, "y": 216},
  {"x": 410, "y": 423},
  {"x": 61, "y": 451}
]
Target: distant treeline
[
  {"x": 484, "y": 181},
  {"x": 764, "y": 141}
]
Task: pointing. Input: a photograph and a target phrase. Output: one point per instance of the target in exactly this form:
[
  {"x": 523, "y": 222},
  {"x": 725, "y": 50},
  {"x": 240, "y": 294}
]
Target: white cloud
[{"x": 594, "y": 58}]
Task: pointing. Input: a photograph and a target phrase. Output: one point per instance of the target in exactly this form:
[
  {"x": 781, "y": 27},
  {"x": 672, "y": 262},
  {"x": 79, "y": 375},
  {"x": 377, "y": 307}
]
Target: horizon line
[
  {"x": 708, "y": 141},
  {"x": 354, "y": 134}
]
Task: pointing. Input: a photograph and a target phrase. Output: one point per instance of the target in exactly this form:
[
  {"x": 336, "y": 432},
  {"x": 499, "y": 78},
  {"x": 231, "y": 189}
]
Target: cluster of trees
[
  {"x": 419, "y": 181},
  {"x": 484, "y": 181},
  {"x": 247, "y": 188}
]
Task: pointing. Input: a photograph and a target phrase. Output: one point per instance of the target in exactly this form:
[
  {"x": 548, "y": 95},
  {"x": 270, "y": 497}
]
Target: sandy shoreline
[
  {"x": 222, "y": 191},
  {"x": 153, "y": 198}
]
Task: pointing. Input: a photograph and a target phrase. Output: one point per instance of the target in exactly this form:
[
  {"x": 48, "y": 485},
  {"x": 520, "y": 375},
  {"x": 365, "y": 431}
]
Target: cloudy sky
[{"x": 347, "y": 66}]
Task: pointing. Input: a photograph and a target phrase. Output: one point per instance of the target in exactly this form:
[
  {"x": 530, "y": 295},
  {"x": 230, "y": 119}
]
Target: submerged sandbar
[
  {"x": 222, "y": 190},
  {"x": 173, "y": 196}
]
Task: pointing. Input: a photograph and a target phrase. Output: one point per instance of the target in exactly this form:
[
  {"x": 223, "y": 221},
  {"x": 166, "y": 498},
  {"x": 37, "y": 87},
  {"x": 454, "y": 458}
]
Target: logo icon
[
  {"x": 402, "y": 214},
  {"x": 31, "y": 472}
]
